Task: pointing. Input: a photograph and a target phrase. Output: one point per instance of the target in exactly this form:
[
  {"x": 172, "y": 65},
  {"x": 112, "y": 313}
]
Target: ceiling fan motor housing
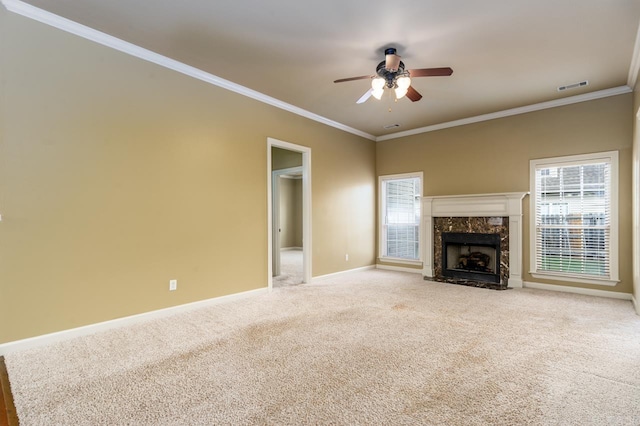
[{"x": 389, "y": 76}]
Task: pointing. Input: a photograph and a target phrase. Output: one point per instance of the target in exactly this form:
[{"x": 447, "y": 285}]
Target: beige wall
[
  {"x": 290, "y": 212},
  {"x": 117, "y": 175},
  {"x": 493, "y": 156},
  {"x": 285, "y": 159}
]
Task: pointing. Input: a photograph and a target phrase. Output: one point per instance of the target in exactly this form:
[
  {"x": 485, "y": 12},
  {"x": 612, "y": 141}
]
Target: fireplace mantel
[{"x": 477, "y": 205}]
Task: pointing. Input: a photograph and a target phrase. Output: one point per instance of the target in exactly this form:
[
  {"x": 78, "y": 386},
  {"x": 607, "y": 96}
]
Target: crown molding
[
  {"x": 635, "y": 62},
  {"x": 67, "y": 25},
  {"x": 509, "y": 112}
]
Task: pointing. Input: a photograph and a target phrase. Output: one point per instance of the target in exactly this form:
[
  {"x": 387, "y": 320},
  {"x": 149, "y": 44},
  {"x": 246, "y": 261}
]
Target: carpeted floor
[
  {"x": 373, "y": 347},
  {"x": 290, "y": 269}
]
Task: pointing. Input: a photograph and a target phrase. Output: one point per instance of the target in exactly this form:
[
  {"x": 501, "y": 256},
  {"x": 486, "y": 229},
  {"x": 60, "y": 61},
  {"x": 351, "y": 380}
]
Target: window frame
[
  {"x": 610, "y": 157},
  {"x": 381, "y": 229}
]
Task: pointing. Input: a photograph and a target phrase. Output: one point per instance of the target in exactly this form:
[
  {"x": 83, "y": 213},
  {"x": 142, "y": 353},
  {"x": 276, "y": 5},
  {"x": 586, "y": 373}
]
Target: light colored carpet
[
  {"x": 373, "y": 347},
  {"x": 290, "y": 269}
]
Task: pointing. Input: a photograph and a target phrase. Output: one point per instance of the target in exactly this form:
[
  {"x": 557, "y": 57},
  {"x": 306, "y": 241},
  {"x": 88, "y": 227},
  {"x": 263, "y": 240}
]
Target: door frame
[
  {"x": 635, "y": 211},
  {"x": 306, "y": 208}
]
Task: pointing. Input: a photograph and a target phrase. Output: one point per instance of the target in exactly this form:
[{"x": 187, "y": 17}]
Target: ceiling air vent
[
  {"x": 573, "y": 86},
  {"x": 390, "y": 126}
]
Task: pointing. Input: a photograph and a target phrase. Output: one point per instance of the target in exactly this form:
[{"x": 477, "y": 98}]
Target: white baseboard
[
  {"x": 515, "y": 283},
  {"x": 399, "y": 268},
  {"x": 290, "y": 248},
  {"x": 579, "y": 290},
  {"x": 348, "y": 271},
  {"x": 635, "y": 304},
  {"x": 60, "y": 336}
]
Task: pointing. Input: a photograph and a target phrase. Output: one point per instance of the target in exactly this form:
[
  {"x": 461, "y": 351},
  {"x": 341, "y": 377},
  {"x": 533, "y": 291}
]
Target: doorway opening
[
  {"x": 289, "y": 213},
  {"x": 287, "y": 221}
]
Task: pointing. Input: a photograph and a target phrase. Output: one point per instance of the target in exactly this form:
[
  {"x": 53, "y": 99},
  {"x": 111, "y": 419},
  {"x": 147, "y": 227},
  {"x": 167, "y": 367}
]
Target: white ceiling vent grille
[{"x": 573, "y": 86}]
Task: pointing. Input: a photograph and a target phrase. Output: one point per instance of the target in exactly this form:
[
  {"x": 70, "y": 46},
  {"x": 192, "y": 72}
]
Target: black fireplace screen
[{"x": 471, "y": 256}]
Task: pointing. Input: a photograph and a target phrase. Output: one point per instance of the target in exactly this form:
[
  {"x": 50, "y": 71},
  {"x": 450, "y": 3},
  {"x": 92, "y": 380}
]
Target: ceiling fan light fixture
[
  {"x": 400, "y": 92},
  {"x": 393, "y": 74},
  {"x": 402, "y": 86},
  {"x": 403, "y": 82},
  {"x": 377, "y": 83}
]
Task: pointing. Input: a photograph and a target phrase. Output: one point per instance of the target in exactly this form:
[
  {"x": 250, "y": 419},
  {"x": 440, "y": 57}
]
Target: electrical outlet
[
  {"x": 346, "y": 257},
  {"x": 173, "y": 285}
]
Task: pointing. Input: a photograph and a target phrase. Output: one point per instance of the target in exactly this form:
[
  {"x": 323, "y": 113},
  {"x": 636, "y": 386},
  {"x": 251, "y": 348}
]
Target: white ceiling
[{"x": 505, "y": 53}]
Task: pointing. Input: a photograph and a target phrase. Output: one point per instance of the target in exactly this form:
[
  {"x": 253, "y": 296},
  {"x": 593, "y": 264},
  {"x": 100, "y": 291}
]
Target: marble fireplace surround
[{"x": 506, "y": 204}]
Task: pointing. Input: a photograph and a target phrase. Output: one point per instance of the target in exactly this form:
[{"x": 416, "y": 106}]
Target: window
[
  {"x": 400, "y": 217},
  {"x": 574, "y": 226}
]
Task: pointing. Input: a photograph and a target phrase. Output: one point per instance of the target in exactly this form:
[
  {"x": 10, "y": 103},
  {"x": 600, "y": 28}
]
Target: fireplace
[
  {"x": 472, "y": 251},
  {"x": 471, "y": 256},
  {"x": 475, "y": 214}
]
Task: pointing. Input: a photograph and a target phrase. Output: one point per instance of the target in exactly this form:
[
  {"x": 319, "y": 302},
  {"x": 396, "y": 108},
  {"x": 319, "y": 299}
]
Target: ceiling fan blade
[
  {"x": 392, "y": 62},
  {"x": 362, "y": 77},
  {"x": 364, "y": 97},
  {"x": 413, "y": 94},
  {"x": 431, "y": 72}
]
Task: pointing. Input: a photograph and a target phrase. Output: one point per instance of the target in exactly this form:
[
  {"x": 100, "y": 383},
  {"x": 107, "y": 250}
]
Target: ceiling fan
[{"x": 391, "y": 73}]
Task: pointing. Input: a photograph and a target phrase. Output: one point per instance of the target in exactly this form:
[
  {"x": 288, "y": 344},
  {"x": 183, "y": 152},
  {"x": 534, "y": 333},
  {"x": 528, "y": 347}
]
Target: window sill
[
  {"x": 400, "y": 261},
  {"x": 574, "y": 278}
]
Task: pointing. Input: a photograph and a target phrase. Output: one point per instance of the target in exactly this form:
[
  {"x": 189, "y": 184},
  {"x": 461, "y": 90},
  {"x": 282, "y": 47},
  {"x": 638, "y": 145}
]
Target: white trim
[
  {"x": 290, "y": 248},
  {"x": 399, "y": 268},
  {"x": 635, "y": 62},
  {"x": 572, "y": 278},
  {"x": 104, "y": 39},
  {"x": 289, "y": 170},
  {"x": 515, "y": 282},
  {"x": 635, "y": 209},
  {"x": 579, "y": 290},
  {"x": 381, "y": 246},
  {"x": 306, "y": 208},
  {"x": 614, "y": 91},
  {"x": 270, "y": 243},
  {"x": 635, "y": 304},
  {"x": 402, "y": 176},
  {"x": 348, "y": 271},
  {"x": 400, "y": 261},
  {"x": 46, "y": 339},
  {"x": 477, "y": 205},
  {"x": 610, "y": 157}
]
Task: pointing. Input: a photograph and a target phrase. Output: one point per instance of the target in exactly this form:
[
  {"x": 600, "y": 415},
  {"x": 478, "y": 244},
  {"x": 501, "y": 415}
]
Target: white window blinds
[
  {"x": 573, "y": 218},
  {"x": 401, "y": 221}
]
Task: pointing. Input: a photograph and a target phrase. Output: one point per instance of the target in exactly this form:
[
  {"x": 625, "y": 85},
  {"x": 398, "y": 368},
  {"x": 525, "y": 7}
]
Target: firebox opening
[{"x": 471, "y": 256}]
